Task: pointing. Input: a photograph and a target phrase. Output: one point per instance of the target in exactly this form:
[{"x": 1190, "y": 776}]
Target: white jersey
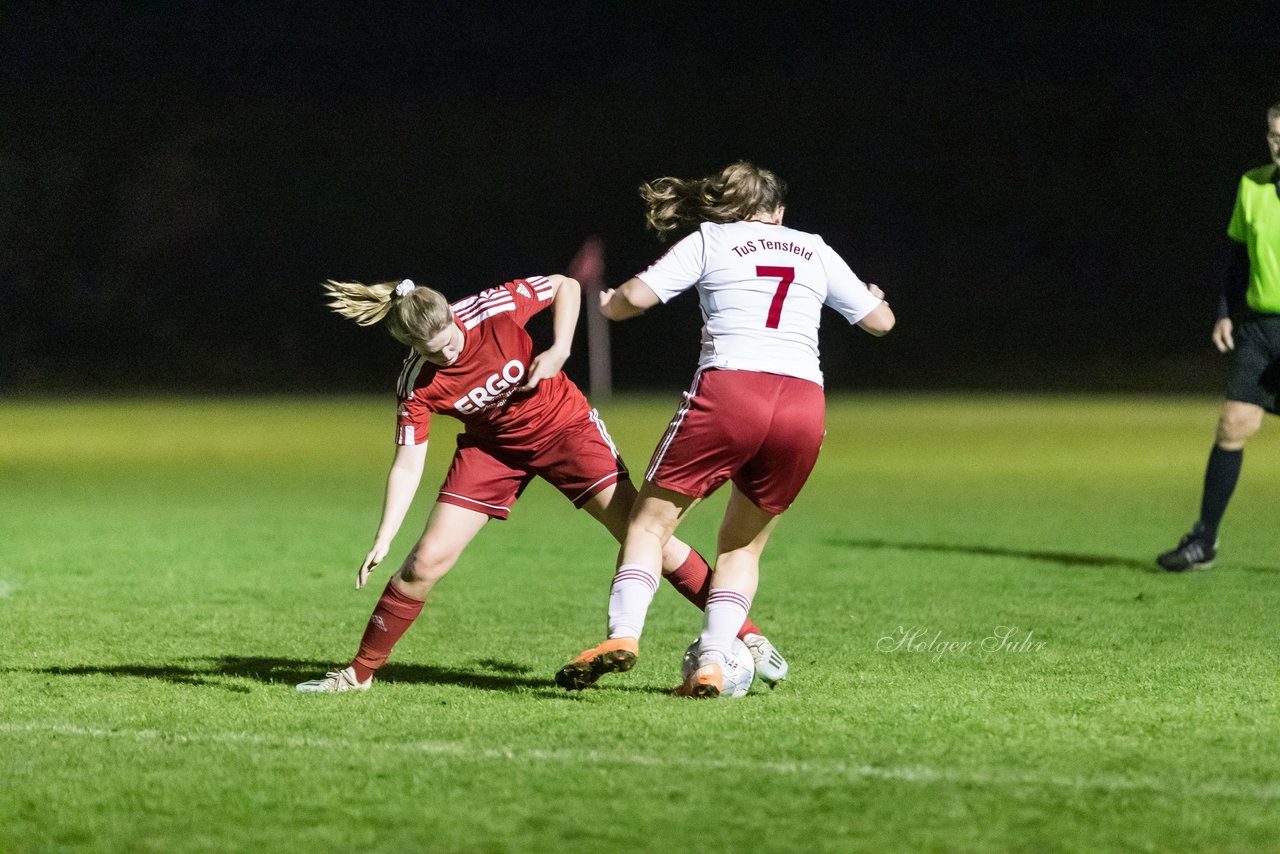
[{"x": 762, "y": 288}]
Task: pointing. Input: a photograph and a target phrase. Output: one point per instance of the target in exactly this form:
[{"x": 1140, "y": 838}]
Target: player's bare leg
[
  {"x": 652, "y": 521},
  {"x": 742, "y": 538},
  {"x": 683, "y": 568},
  {"x": 448, "y": 532},
  {"x": 611, "y": 507}
]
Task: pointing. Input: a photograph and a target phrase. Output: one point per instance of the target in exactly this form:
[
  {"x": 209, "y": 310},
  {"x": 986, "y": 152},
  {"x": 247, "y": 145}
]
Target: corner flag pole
[{"x": 588, "y": 268}]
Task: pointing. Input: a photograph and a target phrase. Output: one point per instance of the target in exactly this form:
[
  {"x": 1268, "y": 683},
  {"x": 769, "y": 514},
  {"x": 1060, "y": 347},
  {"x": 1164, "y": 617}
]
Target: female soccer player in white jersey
[
  {"x": 754, "y": 413},
  {"x": 523, "y": 418}
]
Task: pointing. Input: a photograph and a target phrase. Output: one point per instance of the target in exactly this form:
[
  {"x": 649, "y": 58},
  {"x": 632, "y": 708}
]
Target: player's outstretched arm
[
  {"x": 566, "y": 303},
  {"x": 402, "y": 485},
  {"x": 631, "y": 299}
]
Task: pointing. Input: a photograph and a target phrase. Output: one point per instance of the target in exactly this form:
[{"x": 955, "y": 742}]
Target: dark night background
[{"x": 1041, "y": 188}]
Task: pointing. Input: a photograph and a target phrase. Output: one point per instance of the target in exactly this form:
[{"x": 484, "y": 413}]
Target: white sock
[
  {"x": 726, "y": 611},
  {"x": 629, "y": 598}
]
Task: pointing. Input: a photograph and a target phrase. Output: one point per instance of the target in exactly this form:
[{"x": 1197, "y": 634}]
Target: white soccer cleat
[
  {"x": 339, "y": 680},
  {"x": 770, "y": 665}
]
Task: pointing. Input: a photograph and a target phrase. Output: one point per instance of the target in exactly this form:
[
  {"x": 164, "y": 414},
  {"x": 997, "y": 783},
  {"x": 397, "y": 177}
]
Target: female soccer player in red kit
[
  {"x": 523, "y": 418},
  {"x": 754, "y": 413}
]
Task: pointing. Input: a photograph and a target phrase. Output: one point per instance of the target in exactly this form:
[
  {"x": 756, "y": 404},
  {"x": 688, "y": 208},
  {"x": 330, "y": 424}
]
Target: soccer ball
[{"x": 739, "y": 670}]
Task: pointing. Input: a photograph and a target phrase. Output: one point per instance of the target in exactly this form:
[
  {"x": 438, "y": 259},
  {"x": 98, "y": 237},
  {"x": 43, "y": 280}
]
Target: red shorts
[
  {"x": 579, "y": 460},
  {"x": 762, "y": 430}
]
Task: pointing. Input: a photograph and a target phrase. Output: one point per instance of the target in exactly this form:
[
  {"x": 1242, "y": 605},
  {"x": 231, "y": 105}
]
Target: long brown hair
[{"x": 740, "y": 191}]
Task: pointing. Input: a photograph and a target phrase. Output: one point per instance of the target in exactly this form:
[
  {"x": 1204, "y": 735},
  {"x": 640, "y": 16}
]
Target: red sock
[
  {"x": 693, "y": 579},
  {"x": 394, "y": 613}
]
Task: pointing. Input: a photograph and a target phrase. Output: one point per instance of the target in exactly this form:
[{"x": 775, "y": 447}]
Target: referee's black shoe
[{"x": 1194, "y": 551}]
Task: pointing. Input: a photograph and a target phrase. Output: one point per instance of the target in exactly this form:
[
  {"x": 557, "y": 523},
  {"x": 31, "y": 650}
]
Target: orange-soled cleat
[
  {"x": 705, "y": 683},
  {"x": 616, "y": 655}
]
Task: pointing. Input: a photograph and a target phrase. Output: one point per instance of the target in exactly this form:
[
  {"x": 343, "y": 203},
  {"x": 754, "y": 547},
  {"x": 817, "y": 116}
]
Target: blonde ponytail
[
  {"x": 413, "y": 314},
  {"x": 365, "y": 304},
  {"x": 739, "y": 192}
]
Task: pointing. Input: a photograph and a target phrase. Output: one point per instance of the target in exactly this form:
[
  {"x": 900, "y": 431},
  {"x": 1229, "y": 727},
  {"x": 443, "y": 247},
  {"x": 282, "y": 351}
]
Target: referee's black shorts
[{"x": 1255, "y": 362}]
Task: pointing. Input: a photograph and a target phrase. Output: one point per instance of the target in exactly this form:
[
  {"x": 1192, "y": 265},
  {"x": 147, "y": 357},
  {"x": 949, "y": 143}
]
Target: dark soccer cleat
[
  {"x": 1194, "y": 551},
  {"x": 616, "y": 655}
]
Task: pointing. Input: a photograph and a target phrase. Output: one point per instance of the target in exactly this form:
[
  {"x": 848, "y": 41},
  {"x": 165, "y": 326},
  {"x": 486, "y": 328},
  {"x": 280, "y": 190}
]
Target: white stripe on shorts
[
  {"x": 574, "y": 501},
  {"x": 670, "y": 435},
  {"x": 474, "y": 501},
  {"x": 594, "y": 415}
]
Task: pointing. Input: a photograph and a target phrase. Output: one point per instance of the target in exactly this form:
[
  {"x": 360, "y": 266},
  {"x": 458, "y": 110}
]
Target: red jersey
[{"x": 480, "y": 388}]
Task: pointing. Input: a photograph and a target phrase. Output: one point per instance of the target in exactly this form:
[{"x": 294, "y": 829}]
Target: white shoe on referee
[
  {"x": 770, "y": 665},
  {"x": 338, "y": 680}
]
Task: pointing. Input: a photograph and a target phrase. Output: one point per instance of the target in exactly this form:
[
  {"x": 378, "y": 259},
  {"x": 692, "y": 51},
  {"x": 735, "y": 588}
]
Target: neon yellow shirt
[{"x": 1255, "y": 222}]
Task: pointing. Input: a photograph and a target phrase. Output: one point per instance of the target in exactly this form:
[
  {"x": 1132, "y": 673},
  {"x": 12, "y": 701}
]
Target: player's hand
[
  {"x": 606, "y": 294},
  {"x": 544, "y": 366},
  {"x": 876, "y": 291},
  {"x": 372, "y": 559},
  {"x": 1222, "y": 337}
]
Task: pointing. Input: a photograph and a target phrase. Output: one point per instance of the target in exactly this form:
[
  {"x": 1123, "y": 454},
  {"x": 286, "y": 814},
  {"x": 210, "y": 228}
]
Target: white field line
[
  {"x": 6, "y": 589},
  {"x": 811, "y": 769}
]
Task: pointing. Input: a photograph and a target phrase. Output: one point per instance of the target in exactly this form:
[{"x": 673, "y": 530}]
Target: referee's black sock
[{"x": 1220, "y": 478}]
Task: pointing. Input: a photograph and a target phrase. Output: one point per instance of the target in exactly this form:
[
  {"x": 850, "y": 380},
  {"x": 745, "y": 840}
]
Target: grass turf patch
[{"x": 983, "y": 654}]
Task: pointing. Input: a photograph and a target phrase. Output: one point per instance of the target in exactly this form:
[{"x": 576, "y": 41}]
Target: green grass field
[{"x": 169, "y": 570}]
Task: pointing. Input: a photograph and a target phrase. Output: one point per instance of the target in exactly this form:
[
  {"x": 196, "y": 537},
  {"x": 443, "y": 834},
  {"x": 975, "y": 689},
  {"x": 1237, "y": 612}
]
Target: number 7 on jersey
[{"x": 787, "y": 275}]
